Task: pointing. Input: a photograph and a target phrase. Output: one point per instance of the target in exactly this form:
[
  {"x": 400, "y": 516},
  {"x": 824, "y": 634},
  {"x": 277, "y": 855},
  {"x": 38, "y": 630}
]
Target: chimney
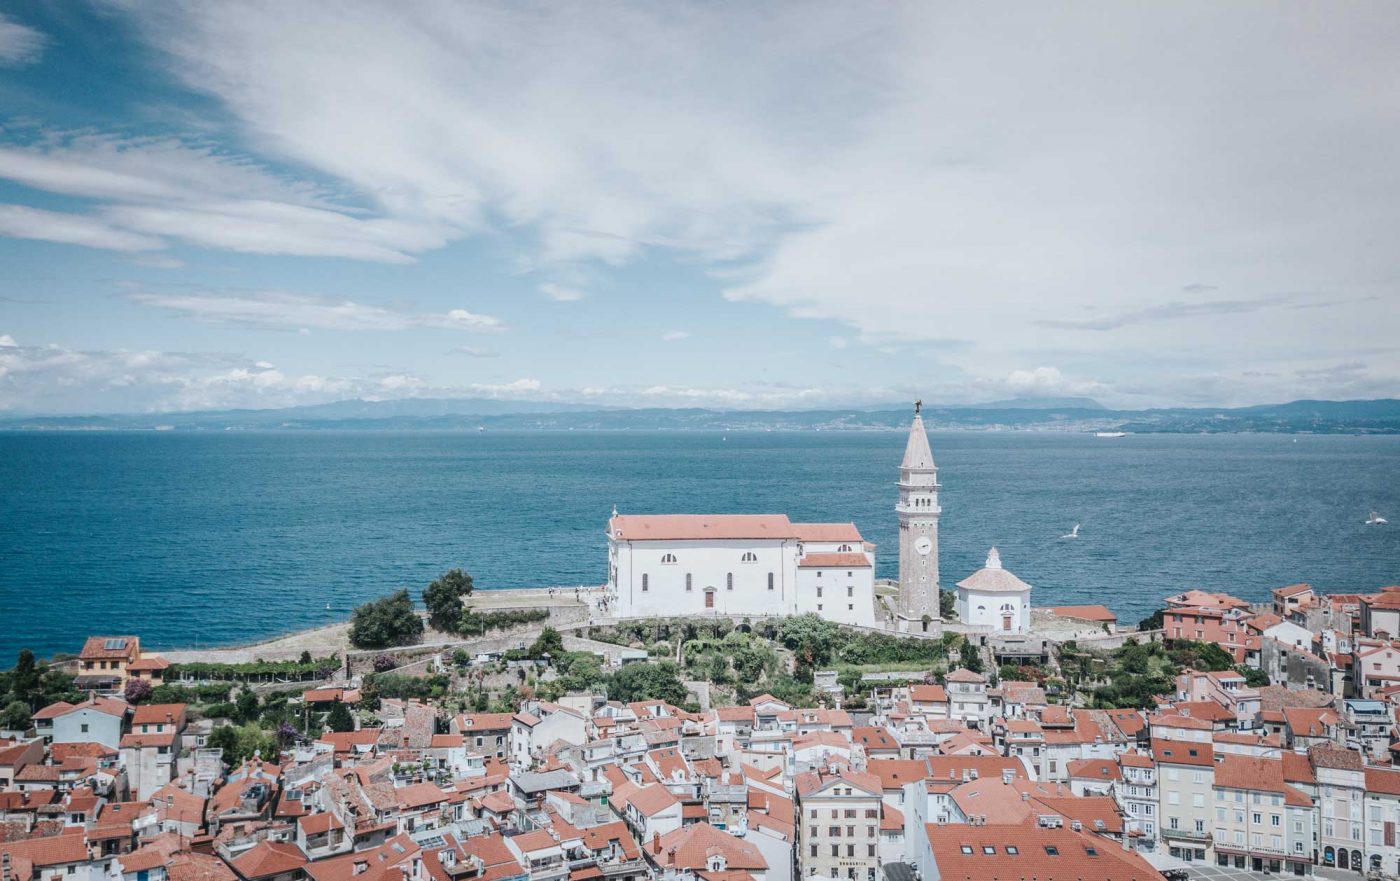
[
  {"x": 656, "y": 842},
  {"x": 671, "y": 857}
]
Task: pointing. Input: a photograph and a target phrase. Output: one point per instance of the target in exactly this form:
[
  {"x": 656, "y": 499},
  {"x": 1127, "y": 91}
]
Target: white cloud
[
  {"x": 159, "y": 189},
  {"x": 839, "y": 342},
  {"x": 278, "y": 309},
  {"x": 19, "y": 44},
  {"x": 70, "y": 229},
  {"x": 926, "y": 173},
  {"x": 7, "y": 341},
  {"x": 561, "y": 293},
  {"x": 475, "y": 352},
  {"x": 672, "y": 336},
  {"x": 516, "y": 388}
]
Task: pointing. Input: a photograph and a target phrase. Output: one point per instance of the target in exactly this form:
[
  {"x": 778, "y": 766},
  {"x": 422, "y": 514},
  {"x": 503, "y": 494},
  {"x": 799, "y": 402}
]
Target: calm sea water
[{"x": 202, "y": 539}]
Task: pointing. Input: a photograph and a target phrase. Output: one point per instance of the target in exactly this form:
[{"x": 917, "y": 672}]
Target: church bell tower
[{"x": 918, "y": 525}]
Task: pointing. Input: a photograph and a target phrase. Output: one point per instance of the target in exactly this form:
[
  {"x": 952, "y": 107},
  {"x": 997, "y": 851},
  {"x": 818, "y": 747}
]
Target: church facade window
[
  {"x": 644, "y": 582},
  {"x": 844, "y": 549},
  {"x": 668, "y": 558},
  {"x": 749, "y": 557},
  {"x": 688, "y": 583},
  {"x": 729, "y": 581},
  {"x": 770, "y": 580}
]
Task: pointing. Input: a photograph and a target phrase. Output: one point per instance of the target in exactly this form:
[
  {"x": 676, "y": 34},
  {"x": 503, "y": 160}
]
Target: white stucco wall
[
  {"x": 839, "y": 594},
  {"x": 100, "y": 728},
  {"x": 985, "y": 609},
  {"x": 709, "y": 565}
]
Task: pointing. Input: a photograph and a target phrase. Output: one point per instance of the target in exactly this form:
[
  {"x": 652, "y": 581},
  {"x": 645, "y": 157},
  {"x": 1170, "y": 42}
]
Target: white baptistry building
[
  {"x": 993, "y": 597},
  {"x": 672, "y": 565}
]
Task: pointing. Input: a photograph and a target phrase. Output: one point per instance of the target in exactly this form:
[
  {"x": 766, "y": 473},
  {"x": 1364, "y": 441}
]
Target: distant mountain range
[{"x": 1061, "y": 414}]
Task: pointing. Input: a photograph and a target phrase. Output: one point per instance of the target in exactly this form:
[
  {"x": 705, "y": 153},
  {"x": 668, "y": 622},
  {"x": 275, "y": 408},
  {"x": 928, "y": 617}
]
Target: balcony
[{"x": 1190, "y": 835}]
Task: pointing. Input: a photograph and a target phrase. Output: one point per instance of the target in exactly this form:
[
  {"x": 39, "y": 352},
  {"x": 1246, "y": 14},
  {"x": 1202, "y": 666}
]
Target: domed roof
[{"x": 993, "y": 579}]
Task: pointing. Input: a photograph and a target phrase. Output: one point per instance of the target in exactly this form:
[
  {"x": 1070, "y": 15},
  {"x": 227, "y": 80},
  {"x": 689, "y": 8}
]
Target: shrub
[
  {"x": 137, "y": 690},
  {"x": 385, "y": 663},
  {"x": 251, "y": 671},
  {"x": 385, "y": 622},
  {"x": 477, "y": 624},
  {"x": 443, "y": 599}
]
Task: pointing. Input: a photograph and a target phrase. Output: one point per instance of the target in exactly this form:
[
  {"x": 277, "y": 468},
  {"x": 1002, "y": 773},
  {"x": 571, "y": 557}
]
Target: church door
[
  {"x": 1005, "y": 622},
  {"x": 710, "y": 599}
]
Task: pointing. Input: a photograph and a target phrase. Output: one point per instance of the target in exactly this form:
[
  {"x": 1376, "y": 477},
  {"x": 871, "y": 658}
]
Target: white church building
[{"x": 665, "y": 565}]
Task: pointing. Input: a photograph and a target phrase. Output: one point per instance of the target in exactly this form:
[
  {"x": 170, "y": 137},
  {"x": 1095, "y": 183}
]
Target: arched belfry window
[
  {"x": 668, "y": 558},
  {"x": 845, "y": 549},
  {"x": 749, "y": 557}
]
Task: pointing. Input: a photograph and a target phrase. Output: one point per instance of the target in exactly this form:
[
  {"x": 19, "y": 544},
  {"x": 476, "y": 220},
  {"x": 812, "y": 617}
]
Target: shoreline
[{"x": 334, "y": 638}]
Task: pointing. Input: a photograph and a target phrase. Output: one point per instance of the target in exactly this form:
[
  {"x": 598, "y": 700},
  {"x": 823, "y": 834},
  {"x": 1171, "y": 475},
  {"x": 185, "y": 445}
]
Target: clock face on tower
[{"x": 923, "y": 545}]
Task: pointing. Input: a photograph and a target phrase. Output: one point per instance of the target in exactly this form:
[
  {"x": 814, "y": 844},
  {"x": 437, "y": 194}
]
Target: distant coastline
[{"x": 1054, "y": 415}]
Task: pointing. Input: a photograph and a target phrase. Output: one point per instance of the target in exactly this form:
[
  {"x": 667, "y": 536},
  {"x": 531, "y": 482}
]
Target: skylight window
[
  {"x": 1052, "y": 850},
  {"x": 1093, "y": 852},
  {"x": 966, "y": 848},
  {"x": 989, "y": 849},
  {"x": 1012, "y": 849}
]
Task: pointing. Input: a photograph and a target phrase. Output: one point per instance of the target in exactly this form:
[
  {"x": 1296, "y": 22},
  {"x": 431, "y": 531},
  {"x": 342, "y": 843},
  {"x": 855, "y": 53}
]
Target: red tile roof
[
  {"x": 692, "y": 846},
  {"x": 269, "y": 858},
  {"x": 827, "y": 532},
  {"x": 833, "y": 561},
  {"x": 95, "y": 648},
  {"x": 680, "y": 527},
  {"x": 1016, "y": 852}
]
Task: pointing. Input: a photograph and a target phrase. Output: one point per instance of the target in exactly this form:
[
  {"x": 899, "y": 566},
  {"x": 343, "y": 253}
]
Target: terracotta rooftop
[{"x": 688, "y": 527}]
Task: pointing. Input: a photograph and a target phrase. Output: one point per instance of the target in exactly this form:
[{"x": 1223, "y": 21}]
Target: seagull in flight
[{"x": 1073, "y": 533}]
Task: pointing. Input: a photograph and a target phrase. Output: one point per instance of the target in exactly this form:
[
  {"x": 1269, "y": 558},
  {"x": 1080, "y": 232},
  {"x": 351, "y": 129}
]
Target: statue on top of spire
[{"x": 918, "y": 405}]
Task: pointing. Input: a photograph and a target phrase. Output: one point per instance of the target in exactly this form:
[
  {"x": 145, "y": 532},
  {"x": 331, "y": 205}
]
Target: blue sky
[{"x": 712, "y": 204}]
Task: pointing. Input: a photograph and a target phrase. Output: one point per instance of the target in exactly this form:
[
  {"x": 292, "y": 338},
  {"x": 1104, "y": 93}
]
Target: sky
[{"x": 723, "y": 204}]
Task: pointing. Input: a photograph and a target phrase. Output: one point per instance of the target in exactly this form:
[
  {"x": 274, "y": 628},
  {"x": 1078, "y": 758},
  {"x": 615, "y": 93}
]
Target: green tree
[
  {"x": 387, "y": 621},
  {"x": 305, "y": 657},
  {"x": 246, "y": 706},
  {"x": 339, "y": 718},
  {"x": 1253, "y": 678},
  {"x": 947, "y": 605},
  {"x": 970, "y": 657},
  {"x": 15, "y": 716},
  {"x": 24, "y": 679},
  {"x": 811, "y": 639},
  {"x": 550, "y": 642},
  {"x": 717, "y": 669},
  {"x": 225, "y": 738},
  {"x": 443, "y": 598},
  {"x": 647, "y": 681}
]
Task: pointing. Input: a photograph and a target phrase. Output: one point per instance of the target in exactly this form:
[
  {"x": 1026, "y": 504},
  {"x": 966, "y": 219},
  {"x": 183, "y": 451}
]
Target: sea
[{"x": 194, "y": 539}]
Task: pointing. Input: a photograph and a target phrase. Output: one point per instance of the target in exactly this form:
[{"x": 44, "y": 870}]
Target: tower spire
[
  {"x": 918, "y": 512},
  {"x": 917, "y": 455}
]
